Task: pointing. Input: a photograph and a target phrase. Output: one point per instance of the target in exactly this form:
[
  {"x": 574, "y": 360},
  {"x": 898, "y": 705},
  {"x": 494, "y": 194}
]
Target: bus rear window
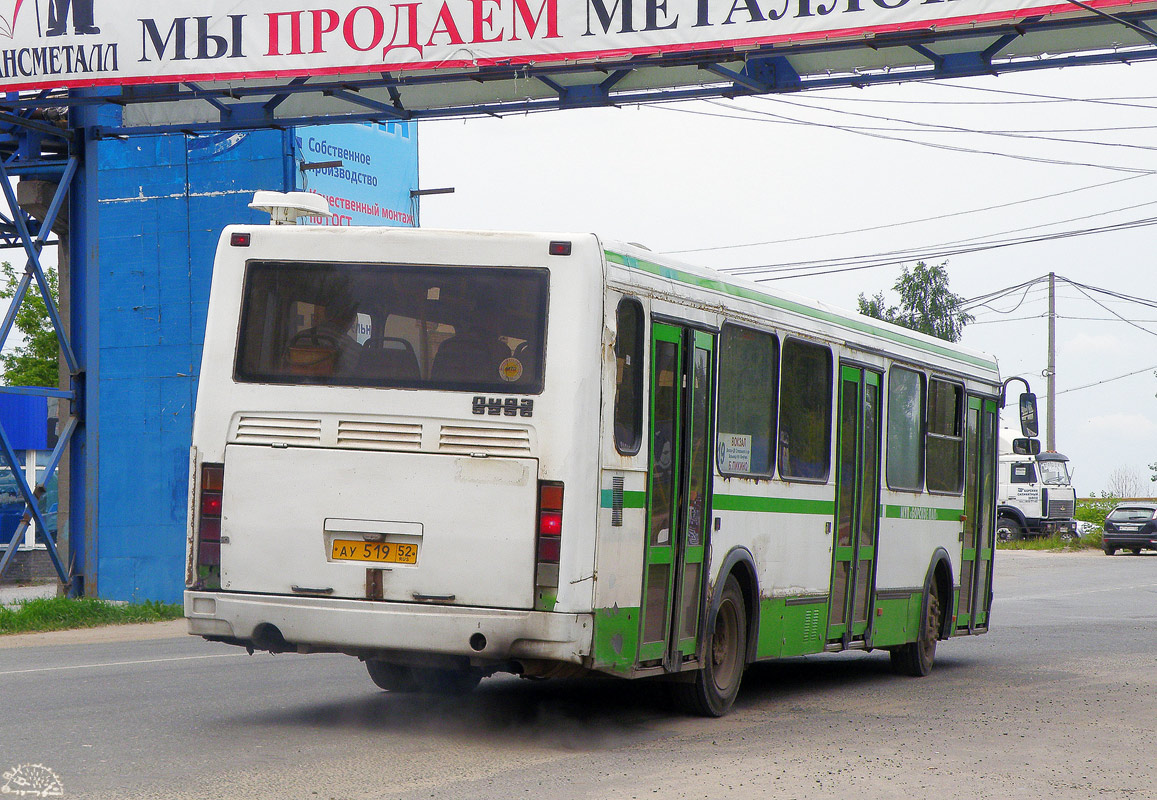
[{"x": 476, "y": 329}]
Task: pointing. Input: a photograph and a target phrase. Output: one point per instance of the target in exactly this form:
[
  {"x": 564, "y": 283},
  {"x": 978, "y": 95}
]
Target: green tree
[
  {"x": 35, "y": 362},
  {"x": 926, "y": 303}
]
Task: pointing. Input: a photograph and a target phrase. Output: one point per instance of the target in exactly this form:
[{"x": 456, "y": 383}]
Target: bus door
[
  {"x": 979, "y": 498},
  {"x": 678, "y": 488},
  {"x": 857, "y": 504}
]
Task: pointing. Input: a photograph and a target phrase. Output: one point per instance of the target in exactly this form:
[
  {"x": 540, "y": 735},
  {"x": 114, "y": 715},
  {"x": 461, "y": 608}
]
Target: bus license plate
[{"x": 380, "y": 552}]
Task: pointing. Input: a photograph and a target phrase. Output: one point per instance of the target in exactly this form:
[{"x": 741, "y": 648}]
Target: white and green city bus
[{"x": 452, "y": 454}]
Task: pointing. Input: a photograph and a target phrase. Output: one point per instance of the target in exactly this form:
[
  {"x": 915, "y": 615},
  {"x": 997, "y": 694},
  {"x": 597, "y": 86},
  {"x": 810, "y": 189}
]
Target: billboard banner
[
  {"x": 366, "y": 171},
  {"x": 83, "y": 43}
]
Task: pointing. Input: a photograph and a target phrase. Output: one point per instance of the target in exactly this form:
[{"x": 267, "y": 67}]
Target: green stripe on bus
[
  {"x": 923, "y": 513},
  {"x": 788, "y": 305},
  {"x": 775, "y": 505},
  {"x": 630, "y": 499},
  {"x": 786, "y": 505}
]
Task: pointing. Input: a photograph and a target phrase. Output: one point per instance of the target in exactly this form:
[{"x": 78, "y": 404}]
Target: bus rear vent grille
[
  {"x": 492, "y": 441},
  {"x": 286, "y": 430},
  {"x": 379, "y": 435}
]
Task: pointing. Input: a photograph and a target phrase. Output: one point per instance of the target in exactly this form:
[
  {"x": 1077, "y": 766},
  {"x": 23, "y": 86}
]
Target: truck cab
[{"x": 1036, "y": 497}]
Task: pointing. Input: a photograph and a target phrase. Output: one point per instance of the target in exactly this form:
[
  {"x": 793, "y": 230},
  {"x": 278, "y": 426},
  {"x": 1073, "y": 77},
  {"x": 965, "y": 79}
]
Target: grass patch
[
  {"x": 63, "y": 613},
  {"x": 1091, "y": 540}
]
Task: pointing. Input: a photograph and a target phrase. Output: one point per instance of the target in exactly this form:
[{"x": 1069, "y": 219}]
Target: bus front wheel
[
  {"x": 716, "y": 683},
  {"x": 916, "y": 658}
]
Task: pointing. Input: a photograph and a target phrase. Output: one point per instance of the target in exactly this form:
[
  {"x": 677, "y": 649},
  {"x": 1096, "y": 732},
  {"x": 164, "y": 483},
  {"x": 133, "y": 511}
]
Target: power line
[
  {"x": 930, "y": 127},
  {"x": 834, "y": 266},
  {"x": 1050, "y": 224},
  {"x": 1115, "y": 314},
  {"x": 1107, "y": 380},
  {"x": 1043, "y": 99},
  {"x": 1006, "y": 290},
  {"x": 910, "y": 222},
  {"x": 1048, "y": 97},
  {"x": 1036, "y": 293},
  {"x": 1125, "y": 297},
  {"x": 932, "y": 145},
  {"x": 1019, "y": 303},
  {"x": 1058, "y": 316}
]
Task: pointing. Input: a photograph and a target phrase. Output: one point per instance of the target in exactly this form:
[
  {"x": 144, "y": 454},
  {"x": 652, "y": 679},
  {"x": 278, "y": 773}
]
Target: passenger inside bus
[{"x": 326, "y": 348}]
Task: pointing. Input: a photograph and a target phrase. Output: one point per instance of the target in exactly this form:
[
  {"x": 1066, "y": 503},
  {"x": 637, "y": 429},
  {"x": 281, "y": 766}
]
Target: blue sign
[{"x": 366, "y": 171}]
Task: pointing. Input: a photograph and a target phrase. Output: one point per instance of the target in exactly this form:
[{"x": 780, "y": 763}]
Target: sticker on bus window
[
  {"x": 510, "y": 370},
  {"x": 735, "y": 452}
]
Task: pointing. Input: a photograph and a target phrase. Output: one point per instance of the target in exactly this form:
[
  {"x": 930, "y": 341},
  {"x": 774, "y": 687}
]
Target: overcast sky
[{"x": 787, "y": 175}]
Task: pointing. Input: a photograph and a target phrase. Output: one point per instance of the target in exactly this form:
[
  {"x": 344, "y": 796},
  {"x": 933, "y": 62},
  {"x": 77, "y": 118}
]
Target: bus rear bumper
[{"x": 376, "y": 629}]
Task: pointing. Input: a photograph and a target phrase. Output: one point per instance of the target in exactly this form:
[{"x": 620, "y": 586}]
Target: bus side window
[
  {"x": 945, "y": 445},
  {"x": 629, "y": 377},
  {"x": 805, "y": 411},
  {"x": 905, "y": 429},
  {"x": 748, "y": 379}
]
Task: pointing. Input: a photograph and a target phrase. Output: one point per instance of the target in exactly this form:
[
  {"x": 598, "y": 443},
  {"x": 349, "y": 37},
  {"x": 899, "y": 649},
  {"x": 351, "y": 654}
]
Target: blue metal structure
[
  {"x": 35, "y": 142},
  {"x": 162, "y": 201},
  {"x": 39, "y": 149}
]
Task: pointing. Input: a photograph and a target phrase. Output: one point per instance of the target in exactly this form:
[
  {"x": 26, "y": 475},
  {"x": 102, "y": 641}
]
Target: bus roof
[{"x": 639, "y": 258}]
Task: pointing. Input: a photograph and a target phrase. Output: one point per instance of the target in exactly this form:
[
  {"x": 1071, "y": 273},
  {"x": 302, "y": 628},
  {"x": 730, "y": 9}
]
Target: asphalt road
[{"x": 1059, "y": 701}]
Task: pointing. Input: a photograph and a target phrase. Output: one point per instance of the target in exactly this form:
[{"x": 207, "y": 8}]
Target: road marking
[
  {"x": 1076, "y": 592},
  {"x": 121, "y": 663}
]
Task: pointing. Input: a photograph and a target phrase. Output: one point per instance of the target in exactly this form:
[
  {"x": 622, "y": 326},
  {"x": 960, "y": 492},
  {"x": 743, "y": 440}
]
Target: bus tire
[
  {"x": 716, "y": 683},
  {"x": 1008, "y": 529},
  {"x": 916, "y": 658},
  {"x": 391, "y": 677}
]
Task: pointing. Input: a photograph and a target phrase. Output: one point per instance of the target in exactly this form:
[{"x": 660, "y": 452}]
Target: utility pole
[{"x": 1051, "y": 375}]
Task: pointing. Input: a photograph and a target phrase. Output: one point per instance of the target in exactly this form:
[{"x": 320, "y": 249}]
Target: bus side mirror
[
  {"x": 1028, "y": 423},
  {"x": 1026, "y": 447}
]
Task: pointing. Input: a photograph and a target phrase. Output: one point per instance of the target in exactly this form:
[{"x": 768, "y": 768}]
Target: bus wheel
[
  {"x": 452, "y": 682},
  {"x": 724, "y": 658},
  {"x": 916, "y": 658},
  {"x": 391, "y": 677},
  {"x": 1008, "y": 529}
]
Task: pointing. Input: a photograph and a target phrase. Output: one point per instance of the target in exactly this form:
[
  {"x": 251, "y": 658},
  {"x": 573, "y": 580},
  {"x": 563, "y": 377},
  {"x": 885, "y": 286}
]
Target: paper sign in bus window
[{"x": 736, "y": 455}]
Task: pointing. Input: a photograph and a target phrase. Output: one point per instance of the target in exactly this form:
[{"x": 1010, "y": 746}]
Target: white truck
[{"x": 1035, "y": 496}]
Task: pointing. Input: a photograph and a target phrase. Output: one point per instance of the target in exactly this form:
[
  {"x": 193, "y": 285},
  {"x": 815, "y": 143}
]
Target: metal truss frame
[{"x": 36, "y": 147}]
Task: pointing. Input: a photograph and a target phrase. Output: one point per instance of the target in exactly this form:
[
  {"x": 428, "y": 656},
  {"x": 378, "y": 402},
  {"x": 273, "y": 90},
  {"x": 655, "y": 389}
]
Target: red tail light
[
  {"x": 209, "y": 527},
  {"x": 210, "y": 505},
  {"x": 549, "y": 549},
  {"x": 549, "y": 545},
  {"x": 549, "y": 524}
]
